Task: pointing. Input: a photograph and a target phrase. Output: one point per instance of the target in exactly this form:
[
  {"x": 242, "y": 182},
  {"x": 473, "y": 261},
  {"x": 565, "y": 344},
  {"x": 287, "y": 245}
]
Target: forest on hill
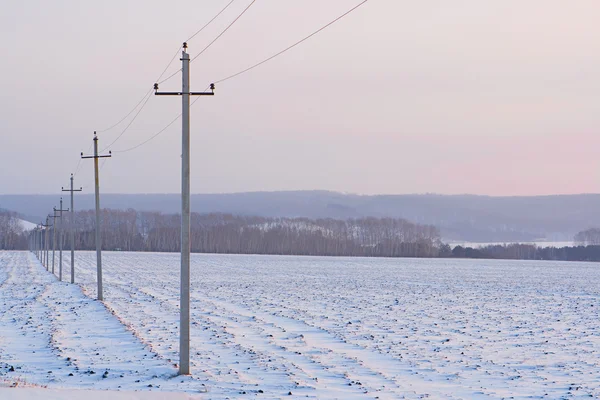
[
  {"x": 459, "y": 218},
  {"x": 130, "y": 230}
]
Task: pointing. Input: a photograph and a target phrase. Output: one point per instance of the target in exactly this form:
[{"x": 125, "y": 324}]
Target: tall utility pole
[
  {"x": 72, "y": 228},
  {"x": 98, "y": 238},
  {"x": 184, "y": 300},
  {"x": 60, "y": 240},
  {"x": 54, "y": 216}
]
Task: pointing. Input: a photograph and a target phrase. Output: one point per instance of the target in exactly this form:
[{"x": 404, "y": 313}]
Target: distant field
[{"x": 347, "y": 328}]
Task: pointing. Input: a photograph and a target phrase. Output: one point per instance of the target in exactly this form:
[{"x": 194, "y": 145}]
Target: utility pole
[
  {"x": 35, "y": 245},
  {"x": 40, "y": 241},
  {"x": 184, "y": 300},
  {"x": 44, "y": 243},
  {"x": 60, "y": 240},
  {"x": 36, "y": 241},
  {"x": 72, "y": 228},
  {"x": 98, "y": 238},
  {"x": 54, "y": 216}
]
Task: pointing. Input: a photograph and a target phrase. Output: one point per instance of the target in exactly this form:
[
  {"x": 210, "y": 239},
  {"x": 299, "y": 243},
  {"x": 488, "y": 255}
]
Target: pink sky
[{"x": 492, "y": 97}]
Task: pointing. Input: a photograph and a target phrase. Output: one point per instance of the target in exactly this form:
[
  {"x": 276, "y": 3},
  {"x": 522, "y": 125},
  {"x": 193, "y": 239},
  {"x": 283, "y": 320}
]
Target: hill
[{"x": 459, "y": 217}]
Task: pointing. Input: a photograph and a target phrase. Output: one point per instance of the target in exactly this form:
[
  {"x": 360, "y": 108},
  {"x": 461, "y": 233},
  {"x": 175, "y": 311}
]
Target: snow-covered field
[{"x": 267, "y": 326}]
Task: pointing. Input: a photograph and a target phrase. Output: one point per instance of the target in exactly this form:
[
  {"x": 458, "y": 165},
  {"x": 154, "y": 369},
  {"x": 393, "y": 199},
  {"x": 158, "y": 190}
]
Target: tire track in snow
[
  {"x": 243, "y": 363},
  {"x": 213, "y": 348},
  {"x": 330, "y": 359},
  {"x": 51, "y": 334},
  {"x": 26, "y": 336},
  {"x": 137, "y": 310},
  {"x": 514, "y": 331}
]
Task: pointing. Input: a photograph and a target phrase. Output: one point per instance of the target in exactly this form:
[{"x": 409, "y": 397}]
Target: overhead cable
[
  {"x": 292, "y": 46},
  {"x": 224, "y": 30}
]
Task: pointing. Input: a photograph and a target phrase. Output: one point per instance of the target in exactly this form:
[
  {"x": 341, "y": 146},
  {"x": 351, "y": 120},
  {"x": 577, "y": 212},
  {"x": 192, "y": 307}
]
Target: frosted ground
[{"x": 267, "y": 326}]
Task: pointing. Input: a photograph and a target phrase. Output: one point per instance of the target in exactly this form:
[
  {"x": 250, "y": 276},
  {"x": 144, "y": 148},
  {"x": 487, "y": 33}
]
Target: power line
[
  {"x": 190, "y": 38},
  {"x": 224, "y": 30},
  {"x": 147, "y": 94},
  {"x": 209, "y": 22},
  {"x": 152, "y": 137},
  {"x": 130, "y": 112},
  {"x": 170, "y": 76},
  {"x": 168, "y": 65},
  {"x": 79, "y": 161},
  {"x": 292, "y": 46},
  {"x": 77, "y": 167},
  {"x": 131, "y": 122},
  {"x": 243, "y": 71},
  {"x": 156, "y": 134}
]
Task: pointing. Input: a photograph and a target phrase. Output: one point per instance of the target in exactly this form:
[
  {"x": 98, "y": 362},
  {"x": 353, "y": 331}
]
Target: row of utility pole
[{"x": 37, "y": 243}]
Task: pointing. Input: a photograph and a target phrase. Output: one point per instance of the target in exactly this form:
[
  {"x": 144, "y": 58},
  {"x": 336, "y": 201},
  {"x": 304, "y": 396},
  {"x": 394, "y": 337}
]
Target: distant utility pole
[
  {"x": 34, "y": 240},
  {"x": 38, "y": 245},
  {"x": 41, "y": 242},
  {"x": 44, "y": 243},
  {"x": 72, "y": 228},
  {"x": 54, "y": 216},
  {"x": 98, "y": 238},
  {"x": 60, "y": 240},
  {"x": 184, "y": 300}
]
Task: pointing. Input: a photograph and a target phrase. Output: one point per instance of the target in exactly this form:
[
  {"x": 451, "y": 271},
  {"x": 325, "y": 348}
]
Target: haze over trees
[
  {"x": 588, "y": 237},
  {"x": 130, "y": 230},
  {"x": 11, "y": 231},
  {"x": 225, "y": 233},
  {"x": 461, "y": 218}
]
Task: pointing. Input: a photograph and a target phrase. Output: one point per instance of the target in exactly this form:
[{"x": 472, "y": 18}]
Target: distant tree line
[
  {"x": 129, "y": 230},
  {"x": 12, "y": 236},
  {"x": 588, "y": 237},
  {"x": 517, "y": 251}
]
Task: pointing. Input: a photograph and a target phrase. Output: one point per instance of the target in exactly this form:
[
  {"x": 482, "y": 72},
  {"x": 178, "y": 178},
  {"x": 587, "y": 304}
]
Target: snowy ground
[{"x": 268, "y": 326}]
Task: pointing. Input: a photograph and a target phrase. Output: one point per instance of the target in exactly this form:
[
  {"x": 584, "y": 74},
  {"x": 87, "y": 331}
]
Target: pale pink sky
[{"x": 495, "y": 97}]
